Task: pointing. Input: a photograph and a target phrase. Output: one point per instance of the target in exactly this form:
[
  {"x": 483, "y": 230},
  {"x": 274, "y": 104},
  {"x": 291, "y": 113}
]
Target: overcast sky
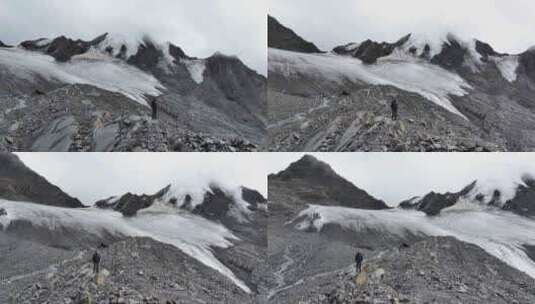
[
  {"x": 94, "y": 176},
  {"x": 200, "y": 27},
  {"x": 509, "y": 26},
  {"x": 394, "y": 177}
]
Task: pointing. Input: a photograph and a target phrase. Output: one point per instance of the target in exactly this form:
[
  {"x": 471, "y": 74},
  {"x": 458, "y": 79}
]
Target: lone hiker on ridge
[
  {"x": 394, "y": 108},
  {"x": 154, "y": 107},
  {"x": 96, "y": 262},
  {"x": 358, "y": 261}
]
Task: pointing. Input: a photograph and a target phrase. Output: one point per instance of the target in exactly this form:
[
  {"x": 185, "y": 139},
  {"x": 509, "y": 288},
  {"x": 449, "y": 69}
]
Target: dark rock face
[
  {"x": 20, "y": 183},
  {"x": 147, "y": 56},
  {"x": 3, "y": 45},
  {"x": 433, "y": 202},
  {"x": 369, "y": 51},
  {"x": 524, "y": 201},
  {"x": 62, "y": 48},
  {"x": 452, "y": 55},
  {"x": 239, "y": 85},
  {"x": 129, "y": 204},
  {"x": 177, "y": 52},
  {"x": 34, "y": 45},
  {"x": 215, "y": 204},
  {"x": 410, "y": 203},
  {"x": 486, "y": 50},
  {"x": 253, "y": 197},
  {"x": 326, "y": 186},
  {"x": 527, "y": 62},
  {"x": 281, "y": 37}
]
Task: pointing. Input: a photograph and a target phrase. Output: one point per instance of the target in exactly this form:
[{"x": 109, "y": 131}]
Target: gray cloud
[
  {"x": 507, "y": 25},
  {"x": 394, "y": 177},
  {"x": 94, "y": 176},
  {"x": 200, "y": 27}
]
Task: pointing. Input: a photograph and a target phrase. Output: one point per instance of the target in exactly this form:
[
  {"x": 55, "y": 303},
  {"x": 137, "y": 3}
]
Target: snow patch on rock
[
  {"x": 196, "y": 68},
  {"x": 507, "y": 66},
  {"x": 116, "y": 42},
  {"x": 188, "y": 196}
]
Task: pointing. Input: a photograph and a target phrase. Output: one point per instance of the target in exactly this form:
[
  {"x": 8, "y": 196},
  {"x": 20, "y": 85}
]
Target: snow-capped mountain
[
  {"x": 516, "y": 195},
  {"x": 223, "y": 229},
  {"x": 314, "y": 243},
  {"x": 453, "y": 94},
  {"x": 215, "y": 97},
  {"x": 211, "y": 201}
]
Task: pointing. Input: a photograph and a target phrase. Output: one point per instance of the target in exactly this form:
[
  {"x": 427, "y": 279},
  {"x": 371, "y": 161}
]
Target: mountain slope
[
  {"x": 316, "y": 182},
  {"x": 453, "y": 95},
  {"x": 215, "y": 103},
  {"x": 442, "y": 270},
  {"x": 20, "y": 183},
  {"x": 281, "y": 37},
  {"x": 409, "y": 256},
  {"x": 134, "y": 270}
]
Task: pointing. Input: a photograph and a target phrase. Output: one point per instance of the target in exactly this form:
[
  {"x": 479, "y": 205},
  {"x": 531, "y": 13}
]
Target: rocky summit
[
  {"x": 284, "y": 38},
  {"x": 314, "y": 181},
  {"x": 116, "y": 93},
  {"x": 20, "y": 183}
]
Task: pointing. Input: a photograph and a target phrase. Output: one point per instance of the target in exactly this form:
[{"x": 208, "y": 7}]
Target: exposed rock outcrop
[
  {"x": 316, "y": 182},
  {"x": 281, "y": 37},
  {"x": 20, "y": 183}
]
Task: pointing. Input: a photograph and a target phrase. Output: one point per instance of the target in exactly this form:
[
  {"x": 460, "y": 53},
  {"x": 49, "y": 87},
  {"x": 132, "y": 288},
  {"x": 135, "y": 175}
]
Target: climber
[
  {"x": 394, "y": 108},
  {"x": 96, "y": 262},
  {"x": 154, "y": 107},
  {"x": 358, "y": 261}
]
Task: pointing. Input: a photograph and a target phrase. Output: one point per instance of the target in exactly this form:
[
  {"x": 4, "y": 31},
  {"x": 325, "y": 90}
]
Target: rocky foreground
[
  {"x": 80, "y": 118},
  {"x": 135, "y": 270},
  {"x": 436, "y": 270}
]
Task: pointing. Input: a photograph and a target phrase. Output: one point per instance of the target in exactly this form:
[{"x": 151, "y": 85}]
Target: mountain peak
[
  {"x": 307, "y": 166},
  {"x": 20, "y": 183},
  {"x": 281, "y": 37},
  {"x": 332, "y": 189}
]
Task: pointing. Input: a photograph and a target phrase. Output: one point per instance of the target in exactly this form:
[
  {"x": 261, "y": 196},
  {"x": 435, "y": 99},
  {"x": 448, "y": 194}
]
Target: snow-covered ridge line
[
  {"x": 174, "y": 229},
  {"x": 430, "y": 81},
  {"x": 106, "y": 73},
  {"x": 499, "y": 233},
  {"x": 193, "y": 195}
]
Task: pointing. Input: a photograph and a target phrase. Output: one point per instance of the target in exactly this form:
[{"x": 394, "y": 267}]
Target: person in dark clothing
[
  {"x": 154, "y": 107},
  {"x": 96, "y": 262},
  {"x": 394, "y": 108},
  {"x": 358, "y": 261}
]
